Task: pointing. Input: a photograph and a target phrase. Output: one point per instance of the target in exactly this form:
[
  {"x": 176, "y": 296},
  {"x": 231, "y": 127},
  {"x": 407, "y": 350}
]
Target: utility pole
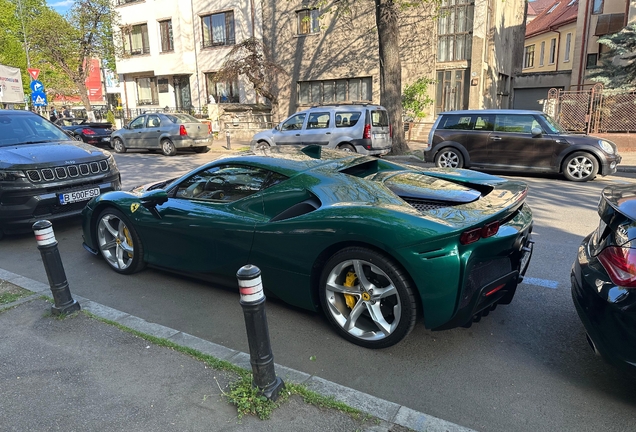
[{"x": 26, "y": 46}]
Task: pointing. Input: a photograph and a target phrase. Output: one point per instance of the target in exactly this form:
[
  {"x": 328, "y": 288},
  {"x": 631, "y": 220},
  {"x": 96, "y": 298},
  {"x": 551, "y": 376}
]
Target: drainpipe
[
  {"x": 196, "y": 56},
  {"x": 558, "y": 48},
  {"x": 253, "y": 10},
  {"x": 584, "y": 39}
]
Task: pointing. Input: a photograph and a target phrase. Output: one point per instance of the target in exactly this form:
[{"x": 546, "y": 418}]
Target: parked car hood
[{"x": 47, "y": 153}]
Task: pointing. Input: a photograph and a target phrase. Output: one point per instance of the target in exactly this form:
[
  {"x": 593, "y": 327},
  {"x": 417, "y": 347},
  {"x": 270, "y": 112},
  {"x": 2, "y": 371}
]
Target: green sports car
[{"x": 375, "y": 244}]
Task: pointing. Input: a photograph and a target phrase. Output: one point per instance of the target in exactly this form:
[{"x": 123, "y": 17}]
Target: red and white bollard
[
  {"x": 47, "y": 244},
  {"x": 261, "y": 357}
]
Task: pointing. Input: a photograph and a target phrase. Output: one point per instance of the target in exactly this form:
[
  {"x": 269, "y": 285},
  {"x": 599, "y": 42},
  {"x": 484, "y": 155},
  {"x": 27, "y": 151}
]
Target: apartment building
[
  {"x": 471, "y": 49},
  {"x": 548, "y": 54},
  {"x": 562, "y": 46},
  {"x": 171, "y": 49}
]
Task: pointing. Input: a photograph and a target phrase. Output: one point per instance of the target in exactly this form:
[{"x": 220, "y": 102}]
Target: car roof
[
  {"x": 493, "y": 111},
  {"x": 291, "y": 160},
  {"x": 342, "y": 107}
]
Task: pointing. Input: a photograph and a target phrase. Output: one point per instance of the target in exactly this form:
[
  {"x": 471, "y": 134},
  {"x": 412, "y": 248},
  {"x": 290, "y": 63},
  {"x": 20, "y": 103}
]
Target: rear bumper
[
  {"x": 366, "y": 147},
  {"x": 608, "y": 314},
  {"x": 187, "y": 142}
]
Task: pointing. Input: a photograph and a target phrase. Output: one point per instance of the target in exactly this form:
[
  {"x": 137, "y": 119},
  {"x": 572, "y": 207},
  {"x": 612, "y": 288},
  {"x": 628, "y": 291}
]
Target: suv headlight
[
  {"x": 606, "y": 146},
  {"x": 11, "y": 175}
]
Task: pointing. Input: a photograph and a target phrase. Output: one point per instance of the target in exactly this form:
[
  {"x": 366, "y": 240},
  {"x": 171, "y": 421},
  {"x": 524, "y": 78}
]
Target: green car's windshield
[
  {"x": 21, "y": 129},
  {"x": 553, "y": 125}
]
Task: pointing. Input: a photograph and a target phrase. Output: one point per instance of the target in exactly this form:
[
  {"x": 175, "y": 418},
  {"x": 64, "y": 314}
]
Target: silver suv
[{"x": 362, "y": 128}]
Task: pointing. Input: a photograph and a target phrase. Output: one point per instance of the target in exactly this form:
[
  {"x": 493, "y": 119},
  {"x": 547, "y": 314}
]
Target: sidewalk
[{"x": 81, "y": 374}]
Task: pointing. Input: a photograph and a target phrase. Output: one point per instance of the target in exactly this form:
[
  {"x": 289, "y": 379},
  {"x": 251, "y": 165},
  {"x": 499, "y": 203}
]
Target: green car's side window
[{"x": 226, "y": 183}]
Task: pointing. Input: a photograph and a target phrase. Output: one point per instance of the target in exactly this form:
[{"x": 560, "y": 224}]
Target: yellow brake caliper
[
  {"x": 128, "y": 239},
  {"x": 349, "y": 283}
]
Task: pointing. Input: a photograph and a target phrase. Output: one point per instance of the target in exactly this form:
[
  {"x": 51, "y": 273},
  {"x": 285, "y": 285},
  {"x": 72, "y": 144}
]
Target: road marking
[{"x": 541, "y": 282}]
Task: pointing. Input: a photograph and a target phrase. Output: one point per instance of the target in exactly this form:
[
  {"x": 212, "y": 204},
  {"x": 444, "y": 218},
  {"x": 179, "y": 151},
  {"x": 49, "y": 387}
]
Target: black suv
[
  {"x": 517, "y": 140},
  {"x": 44, "y": 174}
]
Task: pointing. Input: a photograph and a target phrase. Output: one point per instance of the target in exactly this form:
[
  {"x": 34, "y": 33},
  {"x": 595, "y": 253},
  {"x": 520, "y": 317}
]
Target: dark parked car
[
  {"x": 44, "y": 174},
  {"x": 604, "y": 279},
  {"x": 516, "y": 140},
  {"x": 167, "y": 132},
  {"x": 371, "y": 242},
  {"x": 90, "y": 132}
]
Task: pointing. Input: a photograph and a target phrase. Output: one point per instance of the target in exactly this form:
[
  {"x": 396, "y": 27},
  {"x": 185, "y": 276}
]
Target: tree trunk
[
  {"x": 386, "y": 18},
  {"x": 83, "y": 91}
]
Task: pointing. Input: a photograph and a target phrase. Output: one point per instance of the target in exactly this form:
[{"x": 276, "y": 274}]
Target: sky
[{"x": 61, "y": 6}]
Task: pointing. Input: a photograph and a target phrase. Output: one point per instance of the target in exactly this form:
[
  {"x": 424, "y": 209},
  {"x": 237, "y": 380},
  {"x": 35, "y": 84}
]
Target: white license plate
[
  {"x": 107, "y": 139},
  {"x": 83, "y": 195}
]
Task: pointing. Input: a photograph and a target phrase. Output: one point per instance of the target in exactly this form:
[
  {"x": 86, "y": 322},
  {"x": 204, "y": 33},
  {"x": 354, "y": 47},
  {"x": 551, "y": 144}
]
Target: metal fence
[{"x": 596, "y": 110}]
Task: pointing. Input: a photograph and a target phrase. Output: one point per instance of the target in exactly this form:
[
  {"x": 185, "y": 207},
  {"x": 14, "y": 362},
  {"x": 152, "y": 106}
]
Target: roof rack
[{"x": 339, "y": 103}]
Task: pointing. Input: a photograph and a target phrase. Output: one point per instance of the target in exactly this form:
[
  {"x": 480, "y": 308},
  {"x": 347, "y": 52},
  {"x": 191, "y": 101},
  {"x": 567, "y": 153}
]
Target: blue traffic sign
[
  {"x": 39, "y": 98},
  {"x": 37, "y": 86}
]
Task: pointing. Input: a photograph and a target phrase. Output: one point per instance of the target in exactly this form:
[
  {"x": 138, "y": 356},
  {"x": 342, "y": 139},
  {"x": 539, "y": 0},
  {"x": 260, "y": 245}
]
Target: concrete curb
[{"x": 376, "y": 407}]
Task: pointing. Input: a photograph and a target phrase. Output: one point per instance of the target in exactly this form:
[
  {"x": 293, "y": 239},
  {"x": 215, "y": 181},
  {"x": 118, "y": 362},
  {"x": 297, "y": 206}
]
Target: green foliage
[
  {"x": 618, "y": 65},
  {"x": 110, "y": 117},
  {"x": 415, "y": 98},
  {"x": 248, "y": 400}
]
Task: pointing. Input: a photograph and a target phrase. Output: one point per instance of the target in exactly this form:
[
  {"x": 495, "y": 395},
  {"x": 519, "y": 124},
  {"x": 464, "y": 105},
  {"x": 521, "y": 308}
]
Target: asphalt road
[{"x": 525, "y": 367}]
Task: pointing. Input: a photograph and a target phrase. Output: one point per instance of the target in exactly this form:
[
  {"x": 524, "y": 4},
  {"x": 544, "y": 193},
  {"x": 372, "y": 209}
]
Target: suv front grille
[{"x": 62, "y": 172}]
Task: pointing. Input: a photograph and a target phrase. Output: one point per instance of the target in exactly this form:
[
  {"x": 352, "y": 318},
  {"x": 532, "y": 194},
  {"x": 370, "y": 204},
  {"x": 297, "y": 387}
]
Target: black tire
[
  {"x": 118, "y": 242},
  {"x": 379, "y": 271},
  {"x": 347, "y": 148},
  {"x": 203, "y": 149},
  {"x": 77, "y": 138},
  {"x": 261, "y": 146},
  {"x": 168, "y": 148},
  {"x": 118, "y": 146},
  {"x": 449, "y": 157},
  {"x": 580, "y": 167}
]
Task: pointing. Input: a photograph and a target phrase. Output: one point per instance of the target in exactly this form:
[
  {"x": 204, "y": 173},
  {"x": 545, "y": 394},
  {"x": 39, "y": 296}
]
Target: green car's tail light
[
  {"x": 490, "y": 229},
  {"x": 495, "y": 289},
  {"x": 470, "y": 236},
  {"x": 620, "y": 264},
  {"x": 182, "y": 130}
]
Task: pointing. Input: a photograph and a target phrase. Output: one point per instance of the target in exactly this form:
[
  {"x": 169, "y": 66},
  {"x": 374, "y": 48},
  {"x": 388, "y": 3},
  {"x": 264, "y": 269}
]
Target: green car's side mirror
[{"x": 153, "y": 198}]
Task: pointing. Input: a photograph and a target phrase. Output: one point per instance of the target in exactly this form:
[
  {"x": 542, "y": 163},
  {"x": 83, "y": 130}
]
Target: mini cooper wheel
[
  {"x": 118, "y": 145},
  {"x": 118, "y": 242},
  {"x": 449, "y": 158},
  {"x": 367, "y": 298},
  {"x": 580, "y": 167},
  {"x": 168, "y": 148}
]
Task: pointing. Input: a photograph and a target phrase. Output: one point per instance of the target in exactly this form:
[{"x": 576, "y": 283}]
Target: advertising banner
[{"x": 10, "y": 85}]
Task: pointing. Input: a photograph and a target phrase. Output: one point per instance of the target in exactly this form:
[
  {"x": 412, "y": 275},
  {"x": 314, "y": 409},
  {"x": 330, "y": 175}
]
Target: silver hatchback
[
  {"x": 362, "y": 128},
  {"x": 165, "y": 132}
]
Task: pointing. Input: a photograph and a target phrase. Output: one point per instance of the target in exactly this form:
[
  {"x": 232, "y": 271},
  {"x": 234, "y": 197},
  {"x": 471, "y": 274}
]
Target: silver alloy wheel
[
  {"x": 448, "y": 159},
  {"x": 118, "y": 145},
  {"x": 580, "y": 167},
  {"x": 115, "y": 242},
  {"x": 261, "y": 146},
  {"x": 377, "y": 308},
  {"x": 77, "y": 137},
  {"x": 167, "y": 147}
]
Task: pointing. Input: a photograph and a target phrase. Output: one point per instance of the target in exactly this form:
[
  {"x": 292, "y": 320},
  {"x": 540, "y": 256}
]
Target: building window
[
  {"x": 597, "y": 7},
  {"x": 609, "y": 23},
  {"x": 147, "y": 91},
  {"x": 568, "y": 43},
  {"x": 541, "y": 55},
  {"x": 136, "y": 39},
  {"x": 218, "y": 29},
  {"x": 330, "y": 91},
  {"x": 454, "y": 30},
  {"x": 165, "y": 30},
  {"x": 222, "y": 91},
  {"x": 528, "y": 57},
  {"x": 592, "y": 60},
  {"x": 552, "y": 50},
  {"x": 162, "y": 84},
  {"x": 308, "y": 21}
]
